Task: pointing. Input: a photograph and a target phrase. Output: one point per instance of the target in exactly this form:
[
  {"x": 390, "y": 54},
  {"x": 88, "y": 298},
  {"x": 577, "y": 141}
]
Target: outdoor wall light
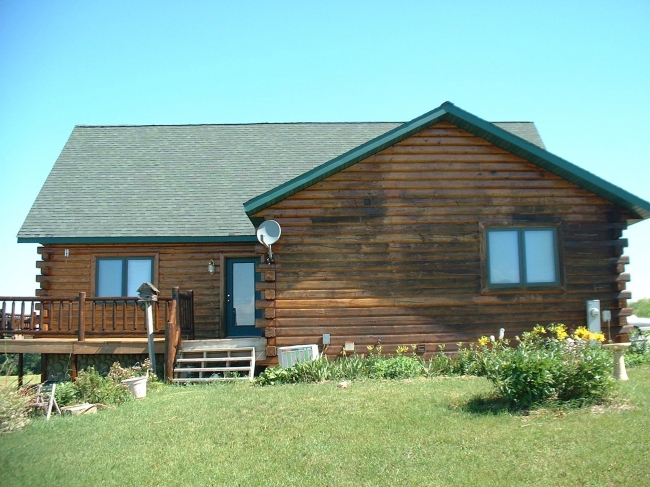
[{"x": 212, "y": 268}]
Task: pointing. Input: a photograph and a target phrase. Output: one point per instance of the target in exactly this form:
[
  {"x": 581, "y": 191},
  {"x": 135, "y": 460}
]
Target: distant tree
[
  {"x": 31, "y": 363},
  {"x": 641, "y": 307}
]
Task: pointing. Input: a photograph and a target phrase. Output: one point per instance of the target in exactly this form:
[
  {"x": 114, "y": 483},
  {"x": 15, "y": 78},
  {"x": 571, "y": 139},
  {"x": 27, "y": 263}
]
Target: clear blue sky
[{"x": 580, "y": 70}]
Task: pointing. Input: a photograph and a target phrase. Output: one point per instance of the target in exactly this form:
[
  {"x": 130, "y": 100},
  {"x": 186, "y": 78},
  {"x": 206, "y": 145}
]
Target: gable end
[{"x": 475, "y": 125}]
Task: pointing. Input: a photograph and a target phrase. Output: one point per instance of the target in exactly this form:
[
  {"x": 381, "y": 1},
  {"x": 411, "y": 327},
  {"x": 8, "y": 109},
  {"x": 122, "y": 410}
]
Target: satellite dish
[{"x": 269, "y": 232}]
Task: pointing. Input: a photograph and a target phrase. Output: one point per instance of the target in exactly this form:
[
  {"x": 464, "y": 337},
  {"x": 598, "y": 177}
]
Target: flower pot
[{"x": 137, "y": 386}]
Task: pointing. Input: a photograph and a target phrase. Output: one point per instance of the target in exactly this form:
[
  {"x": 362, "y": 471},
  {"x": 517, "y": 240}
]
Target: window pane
[
  {"x": 109, "y": 277},
  {"x": 139, "y": 272},
  {"x": 243, "y": 293},
  {"x": 540, "y": 256},
  {"x": 503, "y": 257}
]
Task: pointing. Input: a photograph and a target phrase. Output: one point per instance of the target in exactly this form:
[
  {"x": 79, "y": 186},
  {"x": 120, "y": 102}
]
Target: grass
[
  {"x": 420, "y": 432},
  {"x": 12, "y": 380}
]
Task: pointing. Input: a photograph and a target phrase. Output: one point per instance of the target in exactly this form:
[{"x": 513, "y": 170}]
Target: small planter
[{"x": 137, "y": 386}]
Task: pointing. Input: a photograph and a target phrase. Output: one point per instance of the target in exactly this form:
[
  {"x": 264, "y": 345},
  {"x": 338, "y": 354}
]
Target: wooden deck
[
  {"x": 80, "y": 325},
  {"x": 89, "y": 346}
]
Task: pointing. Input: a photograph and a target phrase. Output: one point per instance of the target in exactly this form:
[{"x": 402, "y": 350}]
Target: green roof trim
[
  {"x": 473, "y": 124},
  {"x": 136, "y": 240}
]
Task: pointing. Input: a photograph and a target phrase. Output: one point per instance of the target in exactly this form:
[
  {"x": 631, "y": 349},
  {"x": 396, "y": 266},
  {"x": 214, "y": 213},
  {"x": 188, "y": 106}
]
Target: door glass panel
[
  {"x": 139, "y": 272},
  {"x": 243, "y": 293},
  {"x": 503, "y": 258},
  {"x": 109, "y": 277},
  {"x": 540, "y": 256}
]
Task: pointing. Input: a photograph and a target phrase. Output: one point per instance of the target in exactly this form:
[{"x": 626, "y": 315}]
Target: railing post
[
  {"x": 171, "y": 337},
  {"x": 82, "y": 317}
]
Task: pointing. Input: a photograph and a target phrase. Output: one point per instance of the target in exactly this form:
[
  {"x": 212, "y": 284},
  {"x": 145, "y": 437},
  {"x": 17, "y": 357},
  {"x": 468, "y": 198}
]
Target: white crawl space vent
[{"x": 289, "y": 356}]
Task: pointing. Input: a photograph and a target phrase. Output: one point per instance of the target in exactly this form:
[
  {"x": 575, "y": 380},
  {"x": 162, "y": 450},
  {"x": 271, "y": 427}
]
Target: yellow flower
[
  {"x": 539, "y": 330},
  {"x": 483, "y": 341},
  {"x": 559, "y": 331},
  {"x": 583, "y": 333},
  {"x": 597, "y": 336}
]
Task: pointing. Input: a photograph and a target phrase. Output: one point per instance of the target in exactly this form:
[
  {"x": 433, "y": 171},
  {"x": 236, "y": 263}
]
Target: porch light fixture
[{"x": 212, "y": 268}]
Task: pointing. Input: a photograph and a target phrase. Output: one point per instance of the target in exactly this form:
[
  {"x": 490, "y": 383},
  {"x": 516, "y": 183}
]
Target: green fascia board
[
  {"x": 473, "y": 124},
  {"x": 137, "y": 240},
  {"x": 544, "y": 159}
]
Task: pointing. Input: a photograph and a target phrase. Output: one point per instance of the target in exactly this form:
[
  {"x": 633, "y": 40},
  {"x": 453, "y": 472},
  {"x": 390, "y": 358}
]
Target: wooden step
[
  {"x": 207, "y": 379},
  {"x": 258, "y": 343},
  {"x": 211, "y": 359},
  {"x": 211, "y": 369},
  {"x": 229, "y": 362}
]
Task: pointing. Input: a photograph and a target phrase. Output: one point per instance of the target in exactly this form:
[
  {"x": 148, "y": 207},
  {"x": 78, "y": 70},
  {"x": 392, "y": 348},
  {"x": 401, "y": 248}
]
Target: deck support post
[
  {"x": 21, "y": 369},
  {"x": 44, "y": 367},
  {"x": 73, "y": 367}
]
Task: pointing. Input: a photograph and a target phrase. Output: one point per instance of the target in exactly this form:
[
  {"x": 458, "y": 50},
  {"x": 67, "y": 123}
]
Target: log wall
[
  {"x": 183, "y": 265},
  {"x": 388, "y": 250}
]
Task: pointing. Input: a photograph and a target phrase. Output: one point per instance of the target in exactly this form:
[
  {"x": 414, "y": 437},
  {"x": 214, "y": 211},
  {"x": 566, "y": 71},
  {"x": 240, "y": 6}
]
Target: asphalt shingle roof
[{"x": 183, "y": 182}]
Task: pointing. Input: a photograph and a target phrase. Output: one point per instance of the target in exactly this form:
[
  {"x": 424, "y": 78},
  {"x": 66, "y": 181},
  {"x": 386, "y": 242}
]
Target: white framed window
[
  {"x": 522, "y": 257},
  {"x": 122, "y": 276}
]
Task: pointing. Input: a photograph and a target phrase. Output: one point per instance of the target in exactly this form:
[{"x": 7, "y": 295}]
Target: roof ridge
[{"x": 224, "y": 124}]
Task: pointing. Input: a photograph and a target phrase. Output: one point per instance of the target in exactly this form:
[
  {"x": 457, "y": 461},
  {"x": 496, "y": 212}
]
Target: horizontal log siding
[
  {"x": 388, "y": 250},
  {"x": 183, "y": 265}
]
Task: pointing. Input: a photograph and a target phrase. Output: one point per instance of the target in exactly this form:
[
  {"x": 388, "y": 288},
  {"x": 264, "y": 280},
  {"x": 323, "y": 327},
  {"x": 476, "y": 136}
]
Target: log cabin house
[{"x": 430, "y": 232}]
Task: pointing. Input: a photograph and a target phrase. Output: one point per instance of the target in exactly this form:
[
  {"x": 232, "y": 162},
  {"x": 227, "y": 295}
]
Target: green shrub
[
  {"x": 353, "y": 367},
  {"x": 639, "y": 351},
  {"x": 65, "y": 393},
  {"x": 587, "y": 375},
  {"x": 91, "y": 387},
  {"x": 545, "y": 367}
]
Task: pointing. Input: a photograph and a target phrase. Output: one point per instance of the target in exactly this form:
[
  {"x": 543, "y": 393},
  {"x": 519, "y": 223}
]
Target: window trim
[
  {"x": 153, "y": 257},
  {"x": 556, "y": 286}
]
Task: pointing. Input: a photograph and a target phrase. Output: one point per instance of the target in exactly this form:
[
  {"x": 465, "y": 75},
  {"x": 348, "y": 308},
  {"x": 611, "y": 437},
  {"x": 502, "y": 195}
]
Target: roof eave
[{"x": 138, "y": 240}]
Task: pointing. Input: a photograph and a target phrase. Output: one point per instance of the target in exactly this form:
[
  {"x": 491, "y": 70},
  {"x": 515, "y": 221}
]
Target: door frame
[{"x": 223, "y": 326}]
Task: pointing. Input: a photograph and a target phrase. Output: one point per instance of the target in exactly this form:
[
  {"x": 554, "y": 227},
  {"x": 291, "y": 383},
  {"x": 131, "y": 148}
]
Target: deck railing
[{"x": 62, "y": 316}]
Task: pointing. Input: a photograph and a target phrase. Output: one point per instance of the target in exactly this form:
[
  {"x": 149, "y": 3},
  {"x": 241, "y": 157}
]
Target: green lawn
[
  {"x": 371, "y": 433},
  {"x": 12, "y": 380}
]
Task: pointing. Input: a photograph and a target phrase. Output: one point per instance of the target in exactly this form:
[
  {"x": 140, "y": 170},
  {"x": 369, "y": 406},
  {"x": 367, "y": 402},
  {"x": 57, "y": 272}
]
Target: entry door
[{"x": 240, "y": 298}]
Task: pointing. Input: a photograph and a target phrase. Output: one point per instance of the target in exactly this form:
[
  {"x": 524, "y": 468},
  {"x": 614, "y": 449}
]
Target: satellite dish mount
[{"x": 269, "y": 233}]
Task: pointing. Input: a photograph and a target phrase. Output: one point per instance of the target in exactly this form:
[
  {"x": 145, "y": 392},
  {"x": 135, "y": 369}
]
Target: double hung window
[
  {"x": 122, "y": 276},
  {"x": 522, "y": 257}
]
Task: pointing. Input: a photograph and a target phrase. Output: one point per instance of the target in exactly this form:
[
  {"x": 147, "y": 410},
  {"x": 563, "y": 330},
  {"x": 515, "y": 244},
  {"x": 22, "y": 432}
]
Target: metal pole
[{"x": 148, "y": 316}]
